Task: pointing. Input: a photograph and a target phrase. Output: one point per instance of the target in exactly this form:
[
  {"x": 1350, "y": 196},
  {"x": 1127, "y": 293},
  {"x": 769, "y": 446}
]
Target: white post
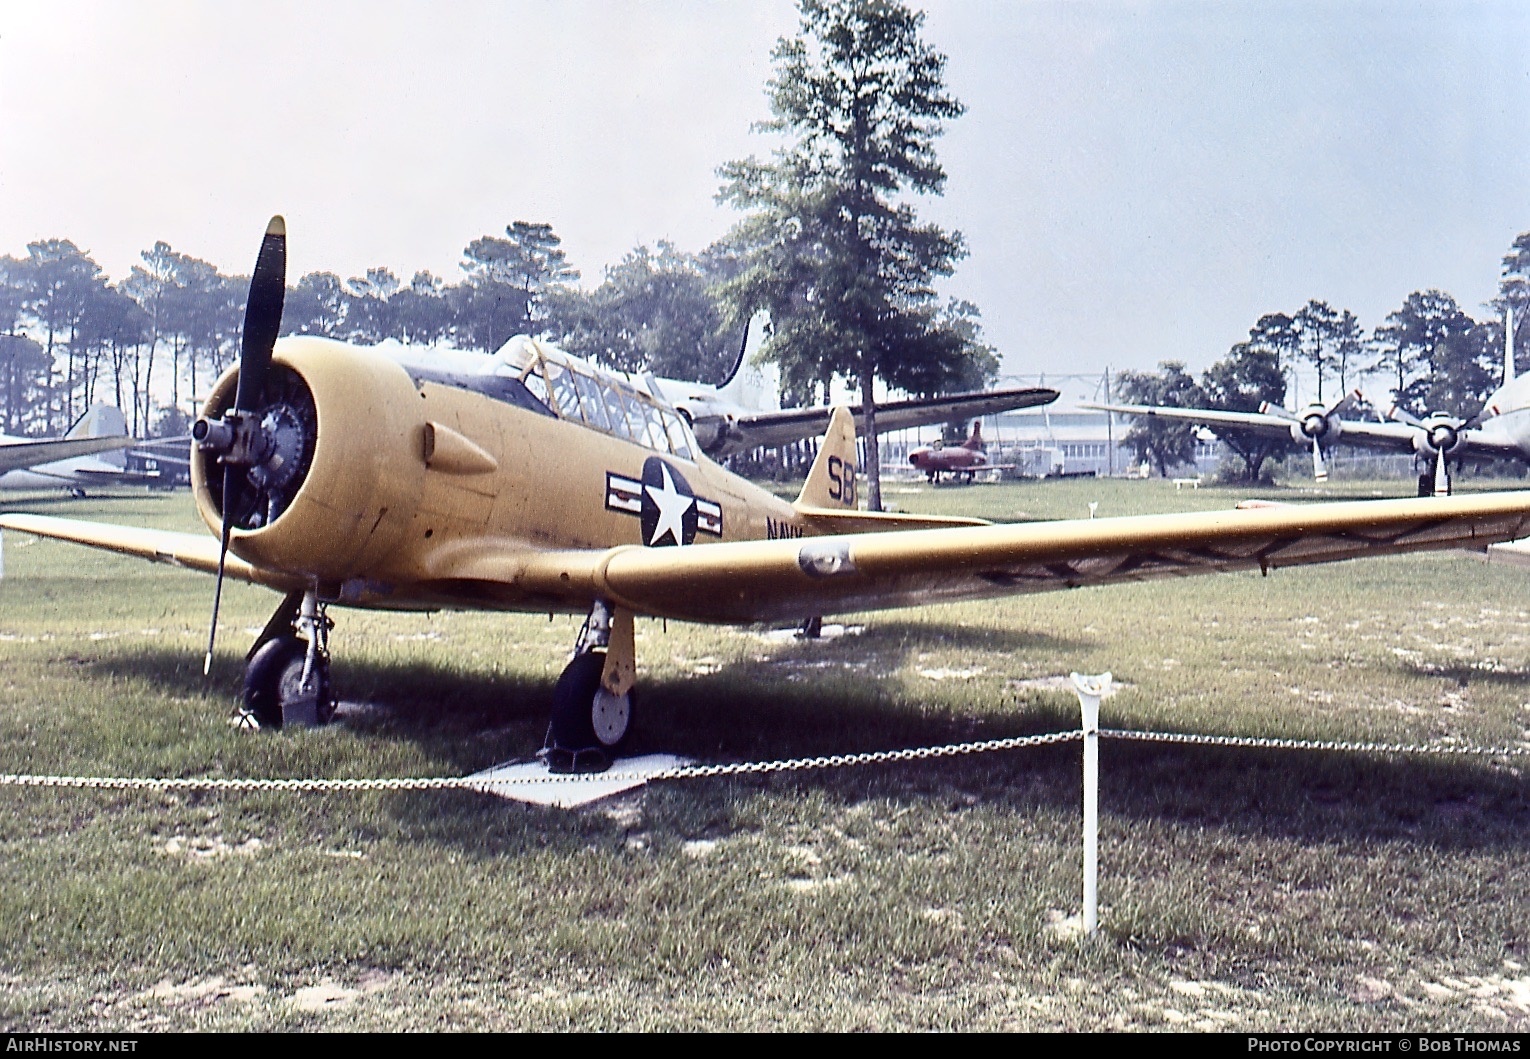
[{"x": 1090, "y": 690}]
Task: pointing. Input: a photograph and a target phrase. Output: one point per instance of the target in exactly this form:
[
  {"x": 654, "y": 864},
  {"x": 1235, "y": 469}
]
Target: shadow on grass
[
  {"x": 1463, "y": 675},
  {"x": 908, "y": 636},
  {"x": 467, "y": 721}
]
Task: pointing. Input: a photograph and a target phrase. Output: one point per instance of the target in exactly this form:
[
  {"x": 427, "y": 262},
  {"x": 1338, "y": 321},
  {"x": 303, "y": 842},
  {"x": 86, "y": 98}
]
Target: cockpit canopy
[{"x": 581, "y": 392}]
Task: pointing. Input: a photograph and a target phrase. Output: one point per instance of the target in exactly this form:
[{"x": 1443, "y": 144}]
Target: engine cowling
[
  {"x": 1438, "y": 434},
  {"x": 340, "y": 465},
  {"x": 1317, "y": 423}
]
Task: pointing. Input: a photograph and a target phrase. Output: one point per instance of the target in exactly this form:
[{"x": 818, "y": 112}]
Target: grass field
[{"x": 1241, "y": 889}]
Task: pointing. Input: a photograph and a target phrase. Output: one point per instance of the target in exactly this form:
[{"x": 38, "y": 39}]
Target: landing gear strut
[
  {"x": 286, "y": 677},
  {"x": 594, "y": 701}
]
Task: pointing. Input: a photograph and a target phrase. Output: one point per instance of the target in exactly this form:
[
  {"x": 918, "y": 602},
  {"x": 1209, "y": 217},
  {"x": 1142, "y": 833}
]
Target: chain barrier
[
  {"x": 682, "y": 772},
  {"x": 677, "y": 772},
  {"x": 1314, "y": 744}
]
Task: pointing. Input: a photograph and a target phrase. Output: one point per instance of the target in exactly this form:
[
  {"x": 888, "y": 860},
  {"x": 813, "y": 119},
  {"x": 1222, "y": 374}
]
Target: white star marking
[{"x": 672, "y": 505}]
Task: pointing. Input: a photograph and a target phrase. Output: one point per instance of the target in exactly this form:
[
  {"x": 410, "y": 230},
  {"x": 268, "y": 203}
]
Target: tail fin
[
  {"x": 734, "y": 388},
  {"x": 975, "y": 442},
  {"x": 828, "y": 500},
  {"x": 102, "y": 421},
  {"x": 831, "y": 482}
]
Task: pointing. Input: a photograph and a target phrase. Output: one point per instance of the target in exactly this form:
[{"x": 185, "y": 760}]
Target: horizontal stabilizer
[{"x": 830, "y": 520}]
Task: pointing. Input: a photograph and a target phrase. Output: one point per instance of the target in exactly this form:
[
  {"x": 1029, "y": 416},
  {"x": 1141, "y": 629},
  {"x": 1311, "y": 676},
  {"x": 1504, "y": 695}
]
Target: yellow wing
[
  {"x": 789, "y": 579},
  {"x": 774, "y": 580},
  {"x": 194, "y": 551}
]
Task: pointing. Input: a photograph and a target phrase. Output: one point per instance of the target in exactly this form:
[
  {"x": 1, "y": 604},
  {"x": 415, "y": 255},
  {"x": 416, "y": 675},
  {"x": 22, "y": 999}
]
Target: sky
[{"x": 1135, "y": 181}]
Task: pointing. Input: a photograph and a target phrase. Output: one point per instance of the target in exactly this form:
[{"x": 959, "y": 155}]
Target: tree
[
  {"x": 1317, "y": 326},
  {"x": 150, "y": 285},
  {"x": 1514, "y": 292},
  {"x": 1422, "y": 340},
  {"x": 1246, "y": 378},
  {"x": 371, "y": 313},
  {"x": 1163, "y": 443},
  {"x": 316, "y": 306},
  {"x": 59, "y": 279},
  {"x": 653, "y": 312},
  {"x": 122, "y": 328},
  {"x": 420, "y": 311},
  {"x": 1467, "y": 368},
  {"x": 1349, "y": 347},
  {"x": 23, "y": 379},
  {"x": 203, "y": 316},
  {"x": 1276, "y": 334},
  {"x": 511, "y": 279},
  {"x": 23, "y": 366},
  {"x": 844, "y": 269}
]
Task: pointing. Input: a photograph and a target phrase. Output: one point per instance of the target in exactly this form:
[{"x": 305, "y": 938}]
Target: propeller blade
[
  {"x": 1441, "y": 475},
  {"x": 1281, "y": 411},
  {"x": 1319, "y": 468},
  {"x": 228, "y": 525},
  {"x": 262, "y": 315},
  {"x": 262, "y": 323},
  {"x": 1402, "y": 415}
]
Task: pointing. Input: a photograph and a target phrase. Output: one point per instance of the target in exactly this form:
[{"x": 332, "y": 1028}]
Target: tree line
[
  {"x": 1429, "y": 354},
  {"x": 829, "y": 245},
  {"x": 69, "y": 336}
]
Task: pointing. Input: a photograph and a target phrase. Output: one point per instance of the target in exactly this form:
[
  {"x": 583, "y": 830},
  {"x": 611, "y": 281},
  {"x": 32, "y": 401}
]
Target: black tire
[
  {"x": 273, "y": 679},
  {"x": 585, "y": 716}
]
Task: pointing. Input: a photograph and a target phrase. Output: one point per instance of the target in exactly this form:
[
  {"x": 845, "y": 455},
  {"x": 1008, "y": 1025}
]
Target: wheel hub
[{"x": 609, "y": 716}]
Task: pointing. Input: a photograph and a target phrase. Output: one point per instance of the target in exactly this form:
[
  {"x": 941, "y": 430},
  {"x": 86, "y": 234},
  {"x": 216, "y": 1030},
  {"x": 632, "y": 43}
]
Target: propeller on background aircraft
[
  {"x": 243, "y": 441},
  {"x": 1438, "y": 436},
  {"x": 1317, "y": 423}
]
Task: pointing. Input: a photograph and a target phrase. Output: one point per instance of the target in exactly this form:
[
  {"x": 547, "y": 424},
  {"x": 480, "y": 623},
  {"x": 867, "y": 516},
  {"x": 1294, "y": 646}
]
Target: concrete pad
[{"x": 535, "y": 784}]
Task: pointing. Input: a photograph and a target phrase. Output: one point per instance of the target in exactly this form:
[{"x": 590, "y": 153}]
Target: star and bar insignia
[{"x": 669, "y": 512}]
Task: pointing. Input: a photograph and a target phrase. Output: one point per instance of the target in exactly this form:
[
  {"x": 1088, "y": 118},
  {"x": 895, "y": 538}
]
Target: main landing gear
[
  {"x": 594, "y": 701},
  {"x": 286, "y": 673},
  {"x": 286, "y": 682}
]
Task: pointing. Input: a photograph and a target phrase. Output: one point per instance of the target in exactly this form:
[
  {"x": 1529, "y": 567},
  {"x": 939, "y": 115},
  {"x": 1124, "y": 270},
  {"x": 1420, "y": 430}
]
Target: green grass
[{"x": 1242, "y": 888}]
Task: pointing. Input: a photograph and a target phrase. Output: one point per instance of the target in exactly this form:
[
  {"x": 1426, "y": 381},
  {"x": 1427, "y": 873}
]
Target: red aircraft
[{"x": 960, "y": 461}]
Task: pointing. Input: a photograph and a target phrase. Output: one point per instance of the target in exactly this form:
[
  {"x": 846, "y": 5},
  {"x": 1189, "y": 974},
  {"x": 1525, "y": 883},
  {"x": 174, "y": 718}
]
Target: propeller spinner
[
  {"x": 1437, "y": 436},
  {"x": 1317, "y": 423}
]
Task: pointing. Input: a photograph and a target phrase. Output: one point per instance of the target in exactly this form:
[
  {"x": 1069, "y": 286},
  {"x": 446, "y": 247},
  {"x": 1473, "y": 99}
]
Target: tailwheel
[
  {"x": 589, "y": 724},
  {"x": 276, "y": 692}
]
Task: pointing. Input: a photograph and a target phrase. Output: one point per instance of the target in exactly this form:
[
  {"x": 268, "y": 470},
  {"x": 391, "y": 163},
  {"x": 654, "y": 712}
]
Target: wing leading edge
[
  {"x": 789, "y": 579},
  {"x": 17, "y": 455},
  {"x": 1386, "y": 437},
  {"x": 194, "y": 551},
  {"x": 765, "y": 429}
]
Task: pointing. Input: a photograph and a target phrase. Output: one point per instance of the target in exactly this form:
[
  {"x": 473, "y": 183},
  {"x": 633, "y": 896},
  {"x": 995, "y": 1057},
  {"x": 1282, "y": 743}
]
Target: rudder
[{"x": 831, "y": 483}]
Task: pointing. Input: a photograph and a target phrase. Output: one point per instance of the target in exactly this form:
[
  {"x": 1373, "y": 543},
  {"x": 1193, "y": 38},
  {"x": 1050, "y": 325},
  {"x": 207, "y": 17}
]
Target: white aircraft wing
[
  {"x": 17, "y": 455},
  {"x": 1391, "y": 437},
  {"x": 750, "y": 430}
]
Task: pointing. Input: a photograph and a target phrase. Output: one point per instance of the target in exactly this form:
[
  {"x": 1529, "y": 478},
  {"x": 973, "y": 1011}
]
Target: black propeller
[{"x": 237, "y": 439}]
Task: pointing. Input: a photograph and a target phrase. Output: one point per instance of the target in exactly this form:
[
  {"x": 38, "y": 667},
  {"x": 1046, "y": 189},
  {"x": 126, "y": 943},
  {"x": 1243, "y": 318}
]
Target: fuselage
[
  {"x": 934, "y": 460},
  {"x": 1506, "y": 415},
  {"x": 416, "y": 475}
]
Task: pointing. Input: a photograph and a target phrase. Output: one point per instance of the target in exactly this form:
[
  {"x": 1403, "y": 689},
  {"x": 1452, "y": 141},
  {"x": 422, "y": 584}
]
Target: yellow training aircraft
[{"x": 340, "y": 477}]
